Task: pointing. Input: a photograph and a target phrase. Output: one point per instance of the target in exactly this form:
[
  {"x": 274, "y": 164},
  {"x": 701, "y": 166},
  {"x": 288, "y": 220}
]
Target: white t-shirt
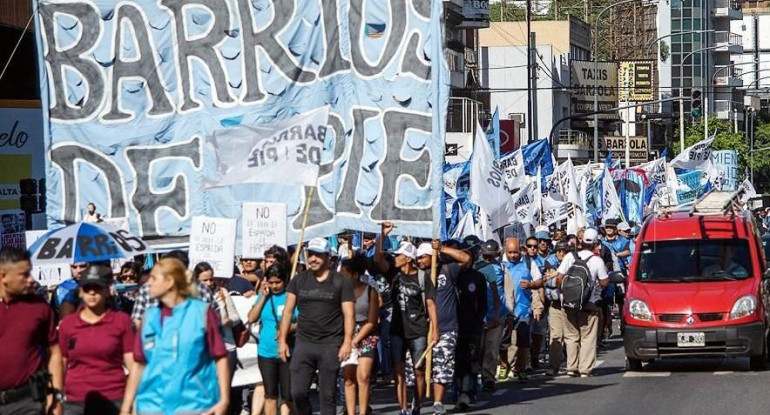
[{"x": 595, "y": 265}]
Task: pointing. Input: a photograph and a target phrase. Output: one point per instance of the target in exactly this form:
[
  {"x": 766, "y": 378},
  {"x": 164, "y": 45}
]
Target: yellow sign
[{"x": 635, "y": 81}]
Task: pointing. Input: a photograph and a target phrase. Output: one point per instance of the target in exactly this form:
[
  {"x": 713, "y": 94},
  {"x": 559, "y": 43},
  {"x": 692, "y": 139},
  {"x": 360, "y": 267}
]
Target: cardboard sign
[
  {"x": 212, "y": 240},
  {"x": 263, "y": 225}
]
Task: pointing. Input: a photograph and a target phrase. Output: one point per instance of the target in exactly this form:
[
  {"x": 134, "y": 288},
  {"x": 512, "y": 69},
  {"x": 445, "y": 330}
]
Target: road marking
[
  {"x": 599, "y": 363},
  {"x": 723, "y": 372},
  {"x": 499, "y": 392},
  {"x": 646, "y": 374}
]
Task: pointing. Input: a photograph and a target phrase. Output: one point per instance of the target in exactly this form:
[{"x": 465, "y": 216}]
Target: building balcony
[
  {"x": 728, "y": 76},
  {"x": 574, "y": 144},
  {"x": 728, "y": 42},
  {"x": 723, "y": 109},
  {"x": 456, "y": 63},
  {"x": 727, "y": 9}
]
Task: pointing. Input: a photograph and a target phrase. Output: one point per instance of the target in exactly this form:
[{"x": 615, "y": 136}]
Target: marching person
[
  {"x": 180, "y": 358},
  {"x": 96, "y": 344},
  {"x": 556, "y": 315},
  {"x": 268, "y": 309},
  {"x": 472, "y": 300},
  {"x": 443, "y": 353},
  {"x": 413, "y": 296},
  {"x": 489, "y": 265},
  {"x": 31, "y": 355},
  {"x": 521, "y": 278},
  {"x": 65, "y": 297},
  {"x": 581, "y": 327},
  {"x": 357, "y": 371},
  {"x": 326, "y": 304}
]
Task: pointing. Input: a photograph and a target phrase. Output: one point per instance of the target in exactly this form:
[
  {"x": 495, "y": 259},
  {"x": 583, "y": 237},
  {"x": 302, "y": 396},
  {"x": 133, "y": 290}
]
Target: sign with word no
[
  {"x": 263, "y": 225},
  {"x": 212, "y": 240}
]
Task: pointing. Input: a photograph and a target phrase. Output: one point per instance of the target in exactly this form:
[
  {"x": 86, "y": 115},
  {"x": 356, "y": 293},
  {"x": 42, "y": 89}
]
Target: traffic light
[
  {"x": 28, "y": 199},
  {"x": 695, "y": 105}
]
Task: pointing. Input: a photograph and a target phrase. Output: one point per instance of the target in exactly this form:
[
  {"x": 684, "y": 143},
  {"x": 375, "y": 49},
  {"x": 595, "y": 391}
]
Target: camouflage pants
[{"x": 443, "y": 363}]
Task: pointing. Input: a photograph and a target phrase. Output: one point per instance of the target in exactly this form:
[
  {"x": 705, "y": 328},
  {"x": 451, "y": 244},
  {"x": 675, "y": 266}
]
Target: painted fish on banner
[{"x": 133, "y": 90}]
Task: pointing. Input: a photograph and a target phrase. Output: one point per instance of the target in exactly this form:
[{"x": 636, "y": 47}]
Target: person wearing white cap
[
  {"x": 414, "y": 303},
  {"x": 443, "y": 354},
  {"x": 326, "y": 303},
  {"x": 582, "y": 325}
]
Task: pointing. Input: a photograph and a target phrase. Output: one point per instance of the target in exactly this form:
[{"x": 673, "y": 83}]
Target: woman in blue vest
[{"x": 181, "y": 361}]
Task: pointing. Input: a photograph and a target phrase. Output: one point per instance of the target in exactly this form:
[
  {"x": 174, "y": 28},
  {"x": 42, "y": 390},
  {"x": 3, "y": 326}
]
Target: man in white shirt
[{"x": 582, "y": 326}]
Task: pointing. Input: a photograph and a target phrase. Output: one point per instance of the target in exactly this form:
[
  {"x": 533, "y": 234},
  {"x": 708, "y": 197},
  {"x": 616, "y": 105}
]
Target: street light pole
[
  {"x": 681, "y": 92},
  {"x": 596, "y": 72}
]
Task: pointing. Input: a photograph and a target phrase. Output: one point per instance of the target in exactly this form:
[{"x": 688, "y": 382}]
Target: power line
[{"x": 18, "y": 42}]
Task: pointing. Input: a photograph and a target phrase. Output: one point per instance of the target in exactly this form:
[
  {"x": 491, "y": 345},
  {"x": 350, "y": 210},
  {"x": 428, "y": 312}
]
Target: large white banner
[
  {"x": 263, "y": 225},
  {"x": 212, "y": 240},
  {"x": 695, "y": 156},
  {"x": 285, "y": 152}
]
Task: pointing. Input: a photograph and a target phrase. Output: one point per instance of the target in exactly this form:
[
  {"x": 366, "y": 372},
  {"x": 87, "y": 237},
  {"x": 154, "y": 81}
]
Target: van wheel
[
  {"x": 633, "y": 365},
  {"x": 759, "y": 362}
]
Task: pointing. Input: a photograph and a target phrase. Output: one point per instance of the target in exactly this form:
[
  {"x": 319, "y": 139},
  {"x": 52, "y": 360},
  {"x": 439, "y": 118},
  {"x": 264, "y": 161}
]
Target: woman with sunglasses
[
  {"x": 268, "y": 310},
  {"x": 96, "y": 343},
  {"x": 357, "y": 370}
]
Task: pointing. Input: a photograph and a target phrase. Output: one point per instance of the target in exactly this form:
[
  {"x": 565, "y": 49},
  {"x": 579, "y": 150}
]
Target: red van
[{"x": 697, "y": 286}]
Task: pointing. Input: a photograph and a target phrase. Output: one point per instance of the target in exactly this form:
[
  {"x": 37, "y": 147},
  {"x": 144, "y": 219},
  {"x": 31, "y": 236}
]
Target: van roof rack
[{"x": 718, "y": 203}]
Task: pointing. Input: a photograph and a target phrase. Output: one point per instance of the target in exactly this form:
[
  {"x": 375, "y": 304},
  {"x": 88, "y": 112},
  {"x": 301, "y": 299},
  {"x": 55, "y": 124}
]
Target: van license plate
[{"x": 691, "y": 339}]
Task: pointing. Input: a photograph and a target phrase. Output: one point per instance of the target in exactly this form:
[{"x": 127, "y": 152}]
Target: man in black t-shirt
[
  {"x": 413, "y": 297},
  {"x": 326, "y": 304}
]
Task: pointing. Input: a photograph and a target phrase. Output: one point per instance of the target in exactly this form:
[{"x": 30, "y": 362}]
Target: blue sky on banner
[{"x": 135, "y": 145}]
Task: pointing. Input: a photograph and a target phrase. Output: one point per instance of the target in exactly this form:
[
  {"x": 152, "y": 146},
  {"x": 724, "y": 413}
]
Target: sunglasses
[
  {"x": 91, "y": 287},
  {"x": 531, "y": 246},
  {"x": 78, "y": 266}
]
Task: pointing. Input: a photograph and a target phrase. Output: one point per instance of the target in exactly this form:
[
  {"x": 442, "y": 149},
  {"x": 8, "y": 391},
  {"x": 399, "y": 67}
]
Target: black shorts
[{"x": 275, "y": 378}]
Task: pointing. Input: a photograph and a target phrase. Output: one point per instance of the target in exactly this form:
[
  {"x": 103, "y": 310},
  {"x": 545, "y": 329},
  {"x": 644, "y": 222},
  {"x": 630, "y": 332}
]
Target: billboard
[
  {"x": 132, "y": 90},
  {"x": 635, "y": 81},
  {"x": 639, "y": 148},
  {"x": 585, "y": 80},
  {"x": 21, "y": 148},
  {"x": 475, "y": 13}
]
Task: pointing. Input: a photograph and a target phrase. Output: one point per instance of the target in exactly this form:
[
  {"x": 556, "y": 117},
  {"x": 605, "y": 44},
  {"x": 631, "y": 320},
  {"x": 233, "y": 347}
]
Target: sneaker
[
  {"x": 586, "y": 375},
  {"x": 573, "y": 374},
  {"x": 502, "y": 373},
  {"x": 404, "y": 412},
  {"x": 522, "y": 377},
  {"x": 438, "y": 409},
  {"x": 463, "y": 402}
]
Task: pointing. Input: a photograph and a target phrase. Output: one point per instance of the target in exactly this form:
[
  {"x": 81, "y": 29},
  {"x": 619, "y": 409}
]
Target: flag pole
[
  {"x": 431, "y": 327},
  {"x": 295, "y": 260}
]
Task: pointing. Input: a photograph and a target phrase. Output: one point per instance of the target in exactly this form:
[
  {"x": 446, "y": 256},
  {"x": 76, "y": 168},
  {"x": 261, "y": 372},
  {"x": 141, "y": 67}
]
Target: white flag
[
  {"x": 610, "y": 201},
  {"x": 693, "y": 157},
  {"x": 524, "y": 202},
  {"x": 513, "y": 166},
  {"x": 488, "y": 187},
  {"x": 286, "y": 152},
  {"x": 748, "y": 190},
  {"x": 465, "y": 227},
  {"x": 554, "y": 211}
]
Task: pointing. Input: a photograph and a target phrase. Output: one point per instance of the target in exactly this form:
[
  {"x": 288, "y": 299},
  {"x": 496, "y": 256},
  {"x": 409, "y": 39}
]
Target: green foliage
[
  {"x": 726, "y": 139},
  {"x": 664, "y": 51}
]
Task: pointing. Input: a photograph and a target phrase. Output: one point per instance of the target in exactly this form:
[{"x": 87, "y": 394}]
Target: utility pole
[
  {"x": 533, "y": 74},
  {"x": 531, "y": 124},
  {"x": 681, "y": 120}
]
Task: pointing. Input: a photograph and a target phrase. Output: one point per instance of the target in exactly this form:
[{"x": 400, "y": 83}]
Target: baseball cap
[
  {"x": 543, "y": 235},
  {"x": 471, "y": 242},
  {"x": 424, "y": 249},
  {"x": 407, "y": 249},
  {"x": 319, "y": 245},
  {"x": 561, "y": 246},
  {"x": 624, "y": 226},
  {"x": 590, "y": 236},
  {"x": 490, "y": 247},
  {"x": 96, "y": 274},
  {"x": 611, "y": 222},
  {"x": 634, "y": 231}
]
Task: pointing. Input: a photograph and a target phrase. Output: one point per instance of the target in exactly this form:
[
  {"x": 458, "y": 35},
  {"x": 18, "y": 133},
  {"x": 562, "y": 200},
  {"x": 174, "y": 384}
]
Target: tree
[{"x": 727, "y": 140}]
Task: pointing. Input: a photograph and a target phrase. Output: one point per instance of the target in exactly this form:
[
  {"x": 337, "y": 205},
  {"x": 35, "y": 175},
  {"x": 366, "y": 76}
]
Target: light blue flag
[{"x": 493, "y": 133}]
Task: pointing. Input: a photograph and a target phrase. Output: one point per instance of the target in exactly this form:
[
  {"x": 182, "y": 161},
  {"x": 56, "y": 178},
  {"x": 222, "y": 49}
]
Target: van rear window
[{"x": 694, "y": 260}]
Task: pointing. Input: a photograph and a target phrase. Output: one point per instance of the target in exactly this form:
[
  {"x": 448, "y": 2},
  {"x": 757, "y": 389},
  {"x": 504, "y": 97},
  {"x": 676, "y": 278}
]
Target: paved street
[{"x": 691, "y": 386}]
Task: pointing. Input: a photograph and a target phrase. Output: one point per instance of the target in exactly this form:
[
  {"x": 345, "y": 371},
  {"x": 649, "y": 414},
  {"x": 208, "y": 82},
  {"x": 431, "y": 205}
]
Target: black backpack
[{"x": 576, "y": 286}]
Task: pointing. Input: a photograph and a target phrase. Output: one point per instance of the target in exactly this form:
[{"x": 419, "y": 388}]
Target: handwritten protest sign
[
  {"x": 262, "y": 225},
  {"x": 212, "y": 240}
]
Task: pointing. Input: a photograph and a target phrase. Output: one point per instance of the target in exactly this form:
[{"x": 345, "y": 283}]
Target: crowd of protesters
[{"x": 491, "y": 311}]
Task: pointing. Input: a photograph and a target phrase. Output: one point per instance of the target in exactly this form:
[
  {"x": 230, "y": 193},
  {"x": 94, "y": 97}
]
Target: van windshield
[{"x": 694, "y": 260}]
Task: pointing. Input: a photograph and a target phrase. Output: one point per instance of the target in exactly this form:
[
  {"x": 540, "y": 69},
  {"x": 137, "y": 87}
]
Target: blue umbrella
[{"x": 86, "y": 242}]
